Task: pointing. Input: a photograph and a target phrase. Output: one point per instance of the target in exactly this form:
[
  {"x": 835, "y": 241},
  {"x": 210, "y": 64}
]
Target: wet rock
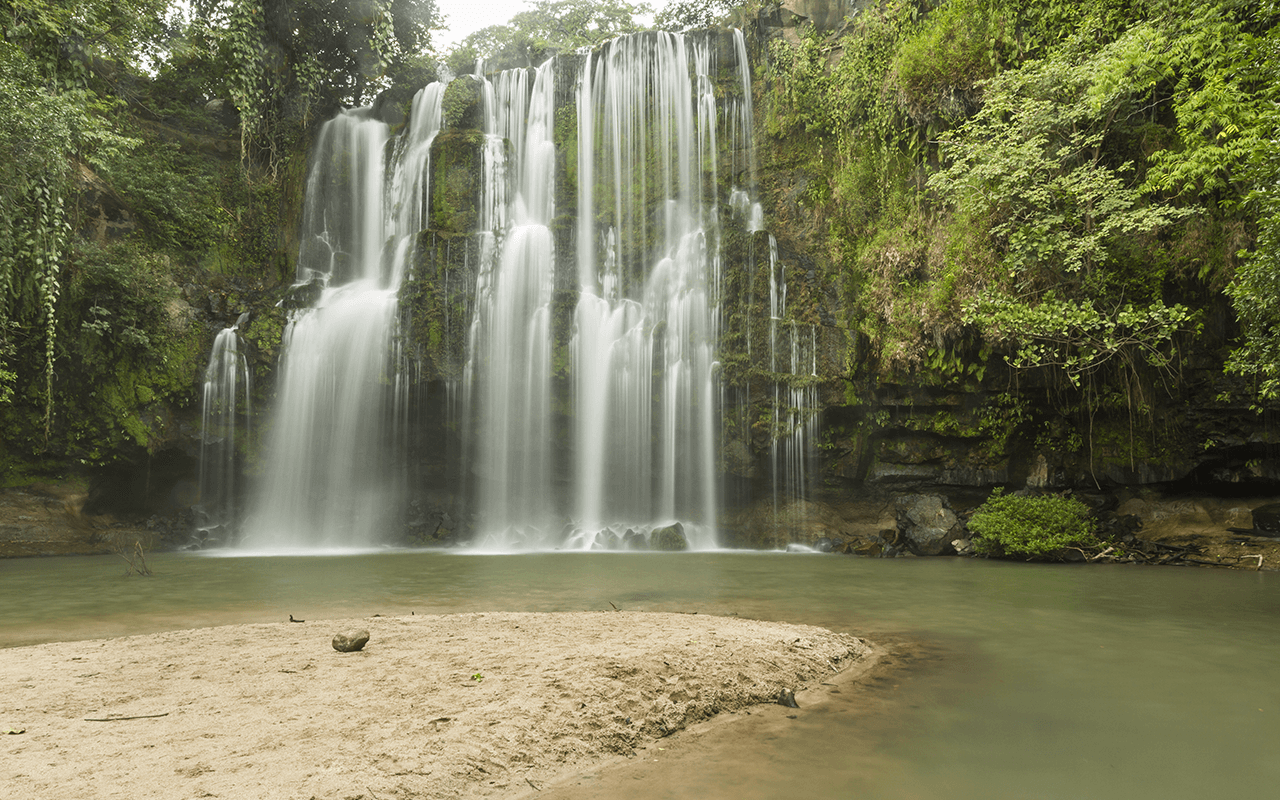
[
  {"x": 670, "y": 538},
  {"x": 350, "y": 641},
  {"x": 787, "y": 698},
  {"x": 1266, "y": 519},
  {"x": 462, "y": 104},
  {"x": 926, "y": 525},
  {"x": 457, "y": 173},
  {"x": 633, "y": 540}
]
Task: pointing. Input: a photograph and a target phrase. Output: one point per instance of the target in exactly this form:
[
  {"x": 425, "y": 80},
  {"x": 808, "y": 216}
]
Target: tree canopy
[{"x": 547, "y": 28}]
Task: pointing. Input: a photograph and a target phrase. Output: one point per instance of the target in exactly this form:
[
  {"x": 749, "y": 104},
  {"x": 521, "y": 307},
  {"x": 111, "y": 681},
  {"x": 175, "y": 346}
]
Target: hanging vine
[
  {"x": 247, "y": 79},
  {"x": 49, "y": 238}
]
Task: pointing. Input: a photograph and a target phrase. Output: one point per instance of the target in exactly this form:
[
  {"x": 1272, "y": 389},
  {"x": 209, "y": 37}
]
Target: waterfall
[
  {"x": 332, "y": 476},
  {"x": 590, "y": 443},
  {"x": 794, "y": 367},
  {"x": 646, "y": 322},
  {"x": 225, "y": 400},
  {"x": 589, "y": 215},
  {"x": 508, "y": 374}
]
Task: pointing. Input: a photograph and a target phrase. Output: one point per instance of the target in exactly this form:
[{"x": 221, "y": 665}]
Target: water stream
[
  {"x": 1108, "y": 683},
  {"x": 225, "y": 407}
]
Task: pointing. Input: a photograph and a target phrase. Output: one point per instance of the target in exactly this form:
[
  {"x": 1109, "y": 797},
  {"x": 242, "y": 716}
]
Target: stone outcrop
[{"x": 926, "y": 524}]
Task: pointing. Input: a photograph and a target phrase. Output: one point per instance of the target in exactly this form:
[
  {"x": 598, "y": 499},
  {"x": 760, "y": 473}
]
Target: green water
[{"x": 1072, "y": 682}]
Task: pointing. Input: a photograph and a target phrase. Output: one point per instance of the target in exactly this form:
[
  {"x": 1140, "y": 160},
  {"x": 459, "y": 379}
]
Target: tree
[
  {"x": 1063, "y": 216},
  {"x": 687, "y": 15},
  {"x": 548, "y": 28},
  {"x": 1255, "y": 290},
  {"x": 290, "y": 60}
]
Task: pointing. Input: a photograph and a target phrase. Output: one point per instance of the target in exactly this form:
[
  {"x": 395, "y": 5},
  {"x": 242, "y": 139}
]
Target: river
[{"x": 1037, "y": 681}]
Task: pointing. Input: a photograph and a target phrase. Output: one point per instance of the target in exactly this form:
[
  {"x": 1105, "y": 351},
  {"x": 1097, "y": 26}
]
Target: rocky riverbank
[{"x": 47, "y": 519}]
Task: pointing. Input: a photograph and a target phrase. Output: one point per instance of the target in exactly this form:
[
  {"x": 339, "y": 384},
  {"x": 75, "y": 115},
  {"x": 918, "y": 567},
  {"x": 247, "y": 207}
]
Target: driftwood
[
  {"x": 1142, "y": 551},
  {"x": 121, "y": 719}
]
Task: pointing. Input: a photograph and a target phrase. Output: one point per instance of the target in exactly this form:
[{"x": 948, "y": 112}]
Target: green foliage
[
  {"x": 173, "y": 194},
  {"x": 1032, "y": 161},
  {"x": 41, "y": 126},
  {"x": 938, "y": 68},
  {"x": 973, "y": 160},
  {"x": 136, "y": 346},
  {"x": 686, "y": 15},
  {"x": 1216, "y": 55},
  {"x": 561, "y": 26},
  {"x": 1027, "y": 527},
  {"x": 1255, "y": 290},
  {"x": 282, "y": 62},
  {"x": 1076, "y": 337}
]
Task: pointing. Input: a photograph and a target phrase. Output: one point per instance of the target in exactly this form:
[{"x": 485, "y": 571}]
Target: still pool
[{"x": 1047, "y": 681}]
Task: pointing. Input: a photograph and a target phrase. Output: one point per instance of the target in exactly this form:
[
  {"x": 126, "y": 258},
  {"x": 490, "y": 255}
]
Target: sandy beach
[{"x": 465, "y": 705}]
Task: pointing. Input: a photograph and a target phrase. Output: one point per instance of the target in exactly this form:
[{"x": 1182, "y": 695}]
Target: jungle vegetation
[
  {"x": 1075, "y": 187},
  {"x": 1070, "y": 185}
]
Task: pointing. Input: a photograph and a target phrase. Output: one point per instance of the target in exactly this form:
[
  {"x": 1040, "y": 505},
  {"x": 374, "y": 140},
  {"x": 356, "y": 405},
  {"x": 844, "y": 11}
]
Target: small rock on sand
[{"x": 350, "y": 641}]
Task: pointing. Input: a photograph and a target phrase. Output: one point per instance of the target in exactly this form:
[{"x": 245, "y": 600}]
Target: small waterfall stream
[
  {"x": 226, "y": 401},
  {"x": 508, "y": 375}
]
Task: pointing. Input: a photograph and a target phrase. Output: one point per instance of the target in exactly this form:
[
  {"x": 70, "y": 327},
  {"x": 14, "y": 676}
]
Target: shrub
[{"x": 1030, "y": 527}]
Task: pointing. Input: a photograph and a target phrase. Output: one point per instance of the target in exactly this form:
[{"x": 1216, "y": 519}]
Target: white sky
[{"x": 468, "y": 16}]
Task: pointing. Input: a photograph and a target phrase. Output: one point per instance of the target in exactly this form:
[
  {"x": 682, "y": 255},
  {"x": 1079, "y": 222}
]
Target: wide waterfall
[
  {"x": 641, "y": 362},
  {"x": 588, "y": 397}
]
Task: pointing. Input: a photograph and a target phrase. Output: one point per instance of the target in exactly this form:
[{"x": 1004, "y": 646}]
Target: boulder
[
  {"x": 670, "y": 538},
  {"x": 350, "y": 641},
  {"x": 926, "y": 525},
  {"x": 1266, "y": 519}
]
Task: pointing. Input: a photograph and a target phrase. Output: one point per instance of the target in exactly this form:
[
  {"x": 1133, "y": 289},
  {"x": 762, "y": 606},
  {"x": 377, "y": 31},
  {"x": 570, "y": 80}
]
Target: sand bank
[{"x": 466, "y": 705}]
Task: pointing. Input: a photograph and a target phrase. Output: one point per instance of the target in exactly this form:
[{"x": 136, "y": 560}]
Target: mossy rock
[
  {"x": 457, "y": 167},
  {"x": 670, "y": 539},
  {"x": 462, "y": 106}
]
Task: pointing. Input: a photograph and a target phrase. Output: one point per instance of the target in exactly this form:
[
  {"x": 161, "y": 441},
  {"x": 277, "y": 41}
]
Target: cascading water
[
  {"x": 331, "y": 475},
  {"x": 508, "y": 375},
  {"x": 646, "y": 323},
  {"x": 224, "y": 403},
  {"x": 584, "y": 438},
  {"x": 641, "y": 374},
  {"x": 793, "y": 364}
]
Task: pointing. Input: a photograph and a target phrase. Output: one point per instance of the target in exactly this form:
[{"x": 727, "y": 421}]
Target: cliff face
[
  {"x": 953, "y": 416},
  {"x": 821, "y": 421},
  {"x": 818, "y": 427}
]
